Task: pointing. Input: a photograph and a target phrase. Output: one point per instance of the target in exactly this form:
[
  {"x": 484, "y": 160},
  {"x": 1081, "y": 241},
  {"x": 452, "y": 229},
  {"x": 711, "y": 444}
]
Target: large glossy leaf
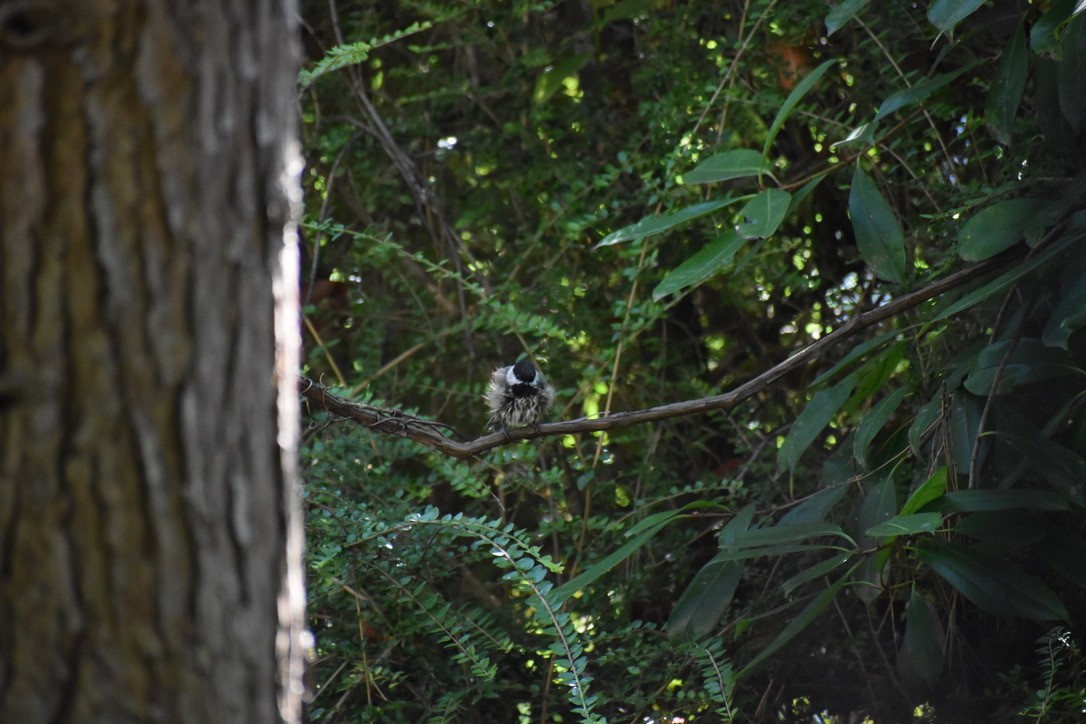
[
  {"x": 841, "y": 14},
  {"x": 815, "y": 416},
  {"x": 946, "y": 14},
  {"x": 712, "y": 258},
  {"x": 793, "y": 99},
  {"x": 737, "y": 163},
  {"x": 878, "y": 233},
  {"x": 1008, "y": 85},
  {"x": 919, "y": 92},
  {"x": 993, "y": 584},
  {"x": 998, "y": 227},
  {"x": 651, "y": 225},
  {"x": 1044, "y": 35},
  {"x": 874, "y": 421},
  {"x": 705, "y": 600},
  {"x": 924, "y": 641}
]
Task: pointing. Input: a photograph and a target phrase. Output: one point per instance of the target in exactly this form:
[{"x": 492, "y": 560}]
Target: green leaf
[
  {"x": 923, "y": 645},
  {"x": 737, "y": 163},
  {"x": 968, "y": 501},
  {"x": 1065, "y": 552},
  {"x": 998, "y": 227},
  {"x": 816, "y": 507},
  {"x": 764, "y": 214},
  {"x": 928, "y": 491},
  {"x": 919, "y": 92},
  {"x": 793, "y": 99},
  {"x": 946, "y": 14},
  {"x": 817, "y": 570},
  {"x": 651, "y": 225},
  {"x": 553, "y": 77},
  {"x": 1008, "y": 85},
  {"x": 858, "y": 352},
  {"x": 1029, "y": 361},
  {"x": 841, "y": 14},
  {"x": 1071, "y": 72},
  {"x": 1044, "y": 36},
  {"x": 906, "y": 525},
  {"x": 712, "y": 258},
  {"x": 926, "y": 416},
  {"x": 815, "y": 416},
  {"x": 874, "y": 421},
  {"x": 1068, "y": 316},
  {"x": 1001, "y": 527},
  {"x": 1006, "y": 279},
  {"x": 993, "y": 584},
  {"x": 878, "y": 233},
  {"x": 804, "y": 619},
  {"x": 879, "y": 506},
  {"x": 779, "y": 534},
  {"x": 605, "y": 564},
  {"x": 705, "y": 600}
]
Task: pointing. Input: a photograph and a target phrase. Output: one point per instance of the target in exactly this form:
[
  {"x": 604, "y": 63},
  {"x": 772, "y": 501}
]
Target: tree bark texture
[{"x": 149, "y": 531}]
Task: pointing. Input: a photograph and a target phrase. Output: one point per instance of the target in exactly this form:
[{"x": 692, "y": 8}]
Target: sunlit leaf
[
  {"x": 553, "y": 77},
  {"x": 651, "y": 225},
  {"x": 1008, "y": 85},
  {"x": 814, "y": 418},
  {"x": 737, "y": 163},
  {"x": 998, "y": 227},
  {"x": 878, "y": 233}
]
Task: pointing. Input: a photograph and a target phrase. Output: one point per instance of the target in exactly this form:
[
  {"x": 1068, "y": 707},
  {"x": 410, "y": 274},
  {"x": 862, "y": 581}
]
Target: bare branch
[{"x": 397, "y": 423}]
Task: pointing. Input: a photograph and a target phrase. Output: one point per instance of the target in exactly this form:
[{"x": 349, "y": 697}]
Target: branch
[{"x": 422, "y": 431}]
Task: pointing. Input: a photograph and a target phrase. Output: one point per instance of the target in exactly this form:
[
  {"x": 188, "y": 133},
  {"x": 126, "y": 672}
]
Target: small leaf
[
  {"x": 705, "y": 600},
  {"x": 738, "y": 163},
  {"x": 841, "y": 14},
  {"x": 712, "y": 258},
  {"x": 815, "y": 416},
  {"x": 998, "y": 227},
  {"x": 878, "y": 233},
  {"x": 923, "y": 643},
  {"x": 793, "y": 99},
  {"x": 552, "y": 79},
  {"x": 946, "y": 14},
  {"x": 1008, "y": 85},
  {"x": 919, "y": 91},
  {"x": 906, "y": 525}
]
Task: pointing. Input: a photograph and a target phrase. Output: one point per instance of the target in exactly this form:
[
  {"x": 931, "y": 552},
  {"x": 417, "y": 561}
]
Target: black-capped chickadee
[{"x": 518, "y": 396}]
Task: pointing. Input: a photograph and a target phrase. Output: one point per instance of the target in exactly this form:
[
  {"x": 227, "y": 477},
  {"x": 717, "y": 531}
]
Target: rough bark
[{"x": 147, "y": 158}]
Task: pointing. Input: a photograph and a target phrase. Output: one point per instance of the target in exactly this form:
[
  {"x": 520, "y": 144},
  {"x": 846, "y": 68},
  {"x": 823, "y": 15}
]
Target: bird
[{"x": 518, "y": 396}]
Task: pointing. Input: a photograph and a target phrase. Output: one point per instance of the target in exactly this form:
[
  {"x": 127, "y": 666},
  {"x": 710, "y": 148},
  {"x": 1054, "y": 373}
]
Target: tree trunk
[{"x": 150, "y": 565}]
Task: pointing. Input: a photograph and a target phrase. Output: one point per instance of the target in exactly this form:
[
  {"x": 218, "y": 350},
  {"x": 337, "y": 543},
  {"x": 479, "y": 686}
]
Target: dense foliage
[{"x": 658, "y": 200}]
